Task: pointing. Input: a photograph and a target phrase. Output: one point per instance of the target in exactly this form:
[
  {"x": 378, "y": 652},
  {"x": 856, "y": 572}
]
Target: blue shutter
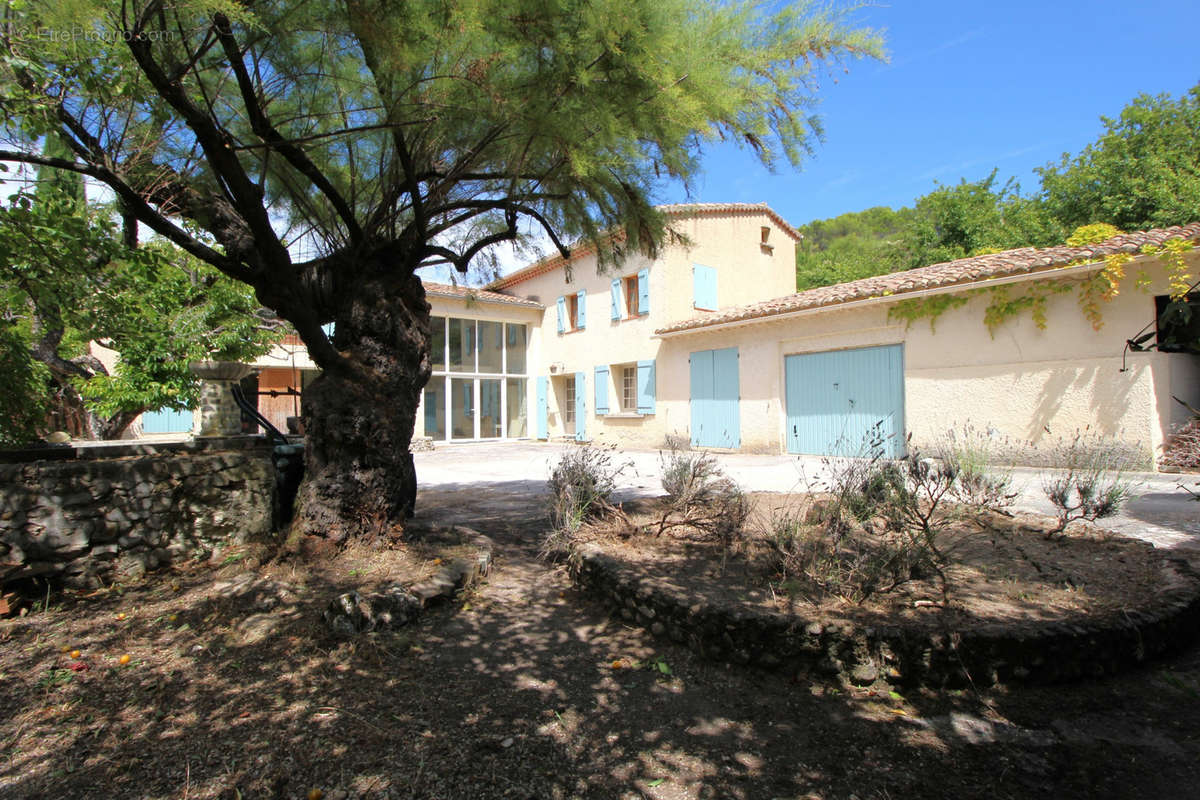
[
  {"x": 616, "y": 298},
  {"x": 431, "y": 412},
  {"x": 643, "y": 291},
  {"x": 469, "y": 399},
  {"x": 704, "y": 287},
  {"x": 562, "y": 315},
  {"x": 601, "y": 390},
  {"x": 581, "y": 310},
  {"x": 580, "y": 406},
  {"x": 645, "y": 387},
  {"x": 329, "y": 328},
  {"x": 543, "y": 408}
]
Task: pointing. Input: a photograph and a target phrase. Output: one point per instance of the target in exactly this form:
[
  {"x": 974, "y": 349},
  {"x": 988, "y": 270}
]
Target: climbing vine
[
  {"x": 1099, "y": 288},
  {"x": 930, "y": 307}
]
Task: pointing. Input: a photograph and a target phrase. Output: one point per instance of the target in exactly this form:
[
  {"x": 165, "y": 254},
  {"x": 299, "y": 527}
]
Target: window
[
  {"x": 569, "y": 411},
  {"x": 631, "y": 296},
  {"x": 462, "y": 345},
  {"x": 515, "y": 344},
  {"x": 491, "y": 346},
  {"x": 572, "y": 312},
  {"x": 518, "y": 414},
  {"x": 437, "y": 343},
  {"x": 629, "y": 400}
]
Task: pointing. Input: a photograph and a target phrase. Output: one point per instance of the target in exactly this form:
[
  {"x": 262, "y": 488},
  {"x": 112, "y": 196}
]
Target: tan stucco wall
[
  {"x": 1032, "y": 386},
  {"x": 746, "y": 272}
]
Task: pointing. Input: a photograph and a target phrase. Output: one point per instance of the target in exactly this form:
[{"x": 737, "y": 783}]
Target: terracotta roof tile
[
  {"x": 556, "y": 260},
  {"x": 1025, "y": 260},
  {"x": 476, "y": 294}
]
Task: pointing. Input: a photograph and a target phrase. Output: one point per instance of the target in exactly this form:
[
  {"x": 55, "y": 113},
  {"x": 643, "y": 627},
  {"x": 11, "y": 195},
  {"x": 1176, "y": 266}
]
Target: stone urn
[{"x": 219, "y": 413}]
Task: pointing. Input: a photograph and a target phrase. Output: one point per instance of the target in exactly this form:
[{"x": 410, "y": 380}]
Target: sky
[{"x": 970, "y": 86}]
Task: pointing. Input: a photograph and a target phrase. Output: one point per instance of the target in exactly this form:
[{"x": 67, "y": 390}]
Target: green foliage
[
  {"x": 1143, "y": 171},
  {"x": 67, "y": 279},
  {"x": 573, "y": 109},
  {"x": 848, "y": 247},
  {"x": 1093, "y": 234},
  {"x": 929, "y": 307},
  {"x": 1093, "y": 484},
  {"x": 973, "y": 218}
]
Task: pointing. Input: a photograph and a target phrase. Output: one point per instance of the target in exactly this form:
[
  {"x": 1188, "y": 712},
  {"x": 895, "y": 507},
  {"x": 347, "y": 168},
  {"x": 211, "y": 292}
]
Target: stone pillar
[{"x": 219, "y": 414}]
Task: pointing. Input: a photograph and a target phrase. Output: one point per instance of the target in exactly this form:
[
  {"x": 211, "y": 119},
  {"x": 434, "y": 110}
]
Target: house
[{"x": 709, "y": 344}]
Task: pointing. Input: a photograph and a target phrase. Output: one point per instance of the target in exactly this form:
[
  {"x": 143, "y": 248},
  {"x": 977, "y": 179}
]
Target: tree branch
[{"x": 270, "y": 136}]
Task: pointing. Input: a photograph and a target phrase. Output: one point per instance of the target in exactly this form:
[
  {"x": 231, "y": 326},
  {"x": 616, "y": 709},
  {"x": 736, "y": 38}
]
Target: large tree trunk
[{"x": 358, "y": 418}]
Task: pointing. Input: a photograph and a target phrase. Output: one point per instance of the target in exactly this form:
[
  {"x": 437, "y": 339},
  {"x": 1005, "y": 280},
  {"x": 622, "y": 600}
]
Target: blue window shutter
[
  {"x": 616, "y": 298},
  {"x": 645, "y": 387},
  {"x": 704, "y": 287},
  {"x": 601, "y": 390},
  {"x": 562, "y": 315},
  {"x": 543, "y": 408},
  {"x": 329, "y": 328},
  {"x": 643, "y": 291},
  {"x": 431, "y": 412},
  {"x": 581, "y": 310},
  {"x": 580, "y": 406},
  {"x": 469, "y": 398}
]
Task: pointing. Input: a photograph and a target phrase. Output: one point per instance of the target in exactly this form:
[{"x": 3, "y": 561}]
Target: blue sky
[{"x": 970, "y": 86}]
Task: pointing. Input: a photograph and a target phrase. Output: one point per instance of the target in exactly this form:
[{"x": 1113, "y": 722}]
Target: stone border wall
[
  {"x": 88, "y": 515},
  {"x": 988, "y": 654}
]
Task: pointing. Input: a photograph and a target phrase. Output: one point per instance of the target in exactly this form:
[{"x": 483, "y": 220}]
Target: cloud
[{"x": 942, "y": 47}]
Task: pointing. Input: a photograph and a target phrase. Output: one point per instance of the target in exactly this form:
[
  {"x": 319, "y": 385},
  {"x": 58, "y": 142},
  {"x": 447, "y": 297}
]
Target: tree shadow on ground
[{"x": 522, "y": 689}]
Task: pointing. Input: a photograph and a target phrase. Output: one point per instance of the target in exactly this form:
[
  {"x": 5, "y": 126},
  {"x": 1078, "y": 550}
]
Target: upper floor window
[
  {"x": 572, "y": 312},
  {"x": 630, "y": 292},
  {"x": 630, "y": 296},
  {"x": 477, "y": 346}
]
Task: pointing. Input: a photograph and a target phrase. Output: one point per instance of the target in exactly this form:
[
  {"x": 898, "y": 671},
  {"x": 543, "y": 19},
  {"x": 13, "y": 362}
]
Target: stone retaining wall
[
  {"x": 987, "y": 654},
  {"x": 92, "y": 514}
]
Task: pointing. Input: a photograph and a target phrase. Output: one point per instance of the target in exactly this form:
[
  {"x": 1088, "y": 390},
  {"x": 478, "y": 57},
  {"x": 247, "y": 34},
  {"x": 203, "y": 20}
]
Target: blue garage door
[
  {"x": 835, "y": 399},
  {"x": 167, "y": 421},
  {"x": 714, "y": 398}
]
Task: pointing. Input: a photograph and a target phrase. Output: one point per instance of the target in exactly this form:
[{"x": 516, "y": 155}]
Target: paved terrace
[{"x": 1162, "y": 513}]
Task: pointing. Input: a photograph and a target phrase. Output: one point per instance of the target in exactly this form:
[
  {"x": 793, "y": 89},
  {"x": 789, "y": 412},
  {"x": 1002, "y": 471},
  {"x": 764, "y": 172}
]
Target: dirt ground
[
  {"x": 232, "y": 689},
  {"x": 1006, "y": 572}
]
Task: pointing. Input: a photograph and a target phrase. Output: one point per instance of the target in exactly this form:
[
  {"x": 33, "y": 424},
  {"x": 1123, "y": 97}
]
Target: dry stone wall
[{"x": 92, "y": 514}]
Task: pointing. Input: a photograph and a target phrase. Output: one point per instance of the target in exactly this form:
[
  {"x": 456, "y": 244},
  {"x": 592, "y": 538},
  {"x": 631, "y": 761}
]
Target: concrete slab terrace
[{"x": 1161, "y": 512}]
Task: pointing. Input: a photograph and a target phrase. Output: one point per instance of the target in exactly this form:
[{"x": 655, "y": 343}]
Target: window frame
[{"x": 629, "y": 388}]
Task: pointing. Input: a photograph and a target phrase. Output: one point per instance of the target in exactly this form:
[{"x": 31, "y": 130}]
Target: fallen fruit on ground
[
  {"x": 75, "y": 654},
  {"x": 125, "y": 659}
]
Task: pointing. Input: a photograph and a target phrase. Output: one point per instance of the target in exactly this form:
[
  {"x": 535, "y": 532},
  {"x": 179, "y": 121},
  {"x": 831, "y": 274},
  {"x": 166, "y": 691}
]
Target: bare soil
[
  {"x": 1003, "y": 570},
  {"x": 520, "y": 689}
]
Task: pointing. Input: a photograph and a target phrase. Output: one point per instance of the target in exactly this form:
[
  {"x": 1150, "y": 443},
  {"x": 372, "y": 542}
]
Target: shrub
[
  {"x": 581, "y": 486},
  {"x": 970, "y": 455},
  {"x": 1183, "y": 447},
  {"x": 846, "y": 562},
  {"x": 1092, "y": 484},
  {"x": 701, "y": 498},
  {"x": 883, "y": 520}
]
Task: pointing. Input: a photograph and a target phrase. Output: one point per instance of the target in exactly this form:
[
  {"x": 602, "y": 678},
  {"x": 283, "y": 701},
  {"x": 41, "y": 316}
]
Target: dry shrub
[
  {"x": 702, "y": 502},
  {"x": 1183, "y": 447},
  {"x": 581, "y": 486},
  {"x": 843, "y": 560},
  {"x": 882, "y": 519}
]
